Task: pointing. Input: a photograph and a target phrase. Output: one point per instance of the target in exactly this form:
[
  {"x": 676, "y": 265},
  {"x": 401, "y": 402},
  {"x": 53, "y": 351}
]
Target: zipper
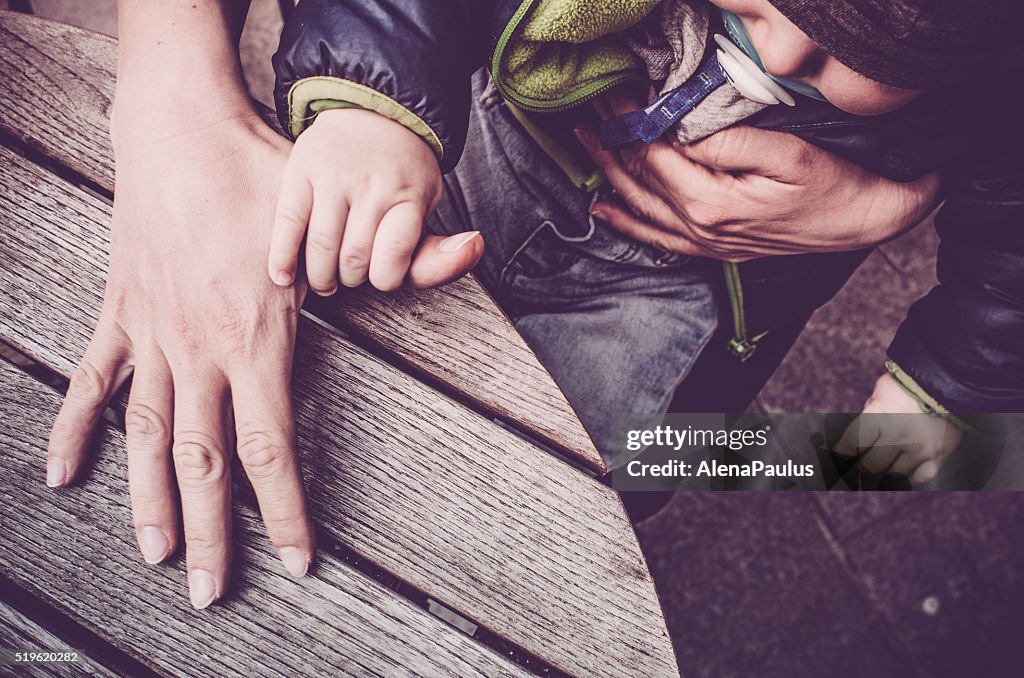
[
  {"x": 741, "y": 346},
  {"x": 571, "y": 100}
]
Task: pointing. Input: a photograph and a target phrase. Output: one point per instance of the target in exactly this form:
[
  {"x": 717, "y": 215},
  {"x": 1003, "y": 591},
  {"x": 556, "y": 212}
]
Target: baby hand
[
  {"x": 358, "y": 187},
  {"x": 894, "y": 436}
]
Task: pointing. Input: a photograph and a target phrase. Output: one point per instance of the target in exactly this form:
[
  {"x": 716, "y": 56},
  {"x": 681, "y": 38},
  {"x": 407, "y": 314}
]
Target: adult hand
[
  {"x": 745, "y": 193},
  {"x": 188, "y": 306},
  {"x": 894, "y": 436}
]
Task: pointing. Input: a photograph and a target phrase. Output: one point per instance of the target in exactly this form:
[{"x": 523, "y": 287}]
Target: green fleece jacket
[{"x": 556, "y": 53}]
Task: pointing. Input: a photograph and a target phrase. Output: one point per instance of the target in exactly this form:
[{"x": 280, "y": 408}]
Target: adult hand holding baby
[{"x": 745, "y": 193}]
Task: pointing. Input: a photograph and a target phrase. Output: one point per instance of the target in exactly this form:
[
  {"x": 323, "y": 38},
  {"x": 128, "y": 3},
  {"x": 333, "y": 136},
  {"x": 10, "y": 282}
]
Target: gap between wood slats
[{"x": 73, "y": 635}]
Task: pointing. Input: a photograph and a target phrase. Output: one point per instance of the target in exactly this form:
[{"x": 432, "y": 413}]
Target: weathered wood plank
[
  {"x": 55, "y": 96},
  {"x": 76, "y": 550},
  {"x": 460, "y": 508},
  {"x": 18, "y": 633}
]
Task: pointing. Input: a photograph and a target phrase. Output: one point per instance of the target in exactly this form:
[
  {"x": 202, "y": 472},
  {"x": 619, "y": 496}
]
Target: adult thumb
[
  {"x": 748, "y": 149},
  {"x": 439, "y": 260}
]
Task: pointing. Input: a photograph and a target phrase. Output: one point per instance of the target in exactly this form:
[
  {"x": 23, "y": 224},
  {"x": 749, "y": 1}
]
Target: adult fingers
[
  {"x": 749, "y": 149},
  {"x": 204, "y": 480},
  {"x": 668, "y": 171},
  {"x": 103, "y": 369},
  {"x": 629, "y": 224},
  {"x": 440, "y": 260},
  {"x": 265, "y": 433},
  {"x": 291, "y": 219},
  {"x": 649, "y": 175},
  {"x": 147, "y": 424},
  {"x": 353, "y": 263},
  {"x": 625, "y": 183},
  {"x": 397, "y": 236},
  {"x": 327, "y": 227}
]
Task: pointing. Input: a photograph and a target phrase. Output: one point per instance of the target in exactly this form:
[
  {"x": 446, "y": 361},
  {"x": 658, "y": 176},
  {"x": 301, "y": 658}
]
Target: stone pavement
[
  {"x": 841, "y": 584},
  {"x": 881, "y": 585}
]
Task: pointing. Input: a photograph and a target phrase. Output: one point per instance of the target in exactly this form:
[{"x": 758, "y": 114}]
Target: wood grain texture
[
  {"x": 441, "y": 497},
  {"x": 76, "y": 550},
  {"x": 18, "y": 633},
  {"x": 55, "y": 96}
]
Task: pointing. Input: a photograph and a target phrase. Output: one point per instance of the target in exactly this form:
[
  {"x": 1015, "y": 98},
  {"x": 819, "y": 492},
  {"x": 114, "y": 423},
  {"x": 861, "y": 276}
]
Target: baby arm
[{"x": 357, "y": 189}]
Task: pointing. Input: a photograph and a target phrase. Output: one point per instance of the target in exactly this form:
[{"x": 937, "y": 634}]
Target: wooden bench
[{"x": 463, "y": 525}]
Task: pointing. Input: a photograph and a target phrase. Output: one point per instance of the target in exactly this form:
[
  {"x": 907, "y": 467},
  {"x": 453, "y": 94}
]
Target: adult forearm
[{"x": 178, "y": 65}]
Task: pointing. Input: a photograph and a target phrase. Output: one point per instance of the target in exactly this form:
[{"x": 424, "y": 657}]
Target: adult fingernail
[
  {"x": 56, "y": 472},
  {"x": 456, "y": 242},
  {"x": 202, "y": 589},
  {"x": 283, "y": 278},
  {"x": 295, "y": 560},
  {"x": 153, "y": 544}
]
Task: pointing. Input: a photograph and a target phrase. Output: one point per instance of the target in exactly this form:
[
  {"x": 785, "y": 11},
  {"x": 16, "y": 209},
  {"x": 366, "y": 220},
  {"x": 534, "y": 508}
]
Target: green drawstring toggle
[{"x": 741, "y": 348}]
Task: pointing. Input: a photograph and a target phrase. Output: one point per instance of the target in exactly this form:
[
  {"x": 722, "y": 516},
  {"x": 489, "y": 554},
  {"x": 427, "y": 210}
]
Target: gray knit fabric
[{"x": 671, "y": 43}]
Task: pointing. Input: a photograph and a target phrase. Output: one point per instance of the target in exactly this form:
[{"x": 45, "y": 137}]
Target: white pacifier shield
[{"x": 747, "y": 78}]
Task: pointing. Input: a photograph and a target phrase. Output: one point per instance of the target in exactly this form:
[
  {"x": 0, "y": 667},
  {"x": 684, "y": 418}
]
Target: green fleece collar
[{"x": 556, "y": 54}]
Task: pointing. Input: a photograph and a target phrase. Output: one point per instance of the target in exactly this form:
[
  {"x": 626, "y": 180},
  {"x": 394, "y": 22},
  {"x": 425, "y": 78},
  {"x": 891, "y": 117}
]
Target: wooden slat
[
  {"x": 75, "y": 549},
  {"x": 18, "y": 633},
  {"x": 55, "y": 96},
  {"x": 476, "y": 517}
]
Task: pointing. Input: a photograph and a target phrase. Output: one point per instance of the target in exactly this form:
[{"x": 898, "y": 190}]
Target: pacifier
[
  {"x": 747, "y": 77},
  {"x": 741, "y": 42}
]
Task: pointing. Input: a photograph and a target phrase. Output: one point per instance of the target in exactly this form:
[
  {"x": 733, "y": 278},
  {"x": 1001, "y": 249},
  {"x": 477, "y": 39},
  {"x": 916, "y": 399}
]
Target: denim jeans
[{"x": 617, "y": 323}]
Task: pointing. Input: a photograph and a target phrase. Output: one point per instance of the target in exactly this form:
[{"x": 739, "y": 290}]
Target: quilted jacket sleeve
[{"x": 410, "y": 60}]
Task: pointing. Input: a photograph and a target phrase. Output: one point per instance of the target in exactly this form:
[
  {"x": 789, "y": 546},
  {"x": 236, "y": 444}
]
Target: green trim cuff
[
  {"x": 927, "y": 403},
  {"x": 309, "y": 96}
]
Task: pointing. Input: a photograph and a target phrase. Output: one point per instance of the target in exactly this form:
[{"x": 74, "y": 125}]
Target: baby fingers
[
  {"x": 290, "y": 222},
  {"x": 397, "y": 237},
  {"x": 327, "y": 229}
]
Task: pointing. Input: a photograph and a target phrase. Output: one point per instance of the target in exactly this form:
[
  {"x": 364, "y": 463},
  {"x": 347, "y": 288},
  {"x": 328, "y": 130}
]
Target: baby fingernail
[
  {"x": 56, "y": 472},
  {"x": 153, "y": 544},
  {"x": 457, "y": 242},
  {"x": 295, "y": 560},
  {"x": 202, "y": 589}
]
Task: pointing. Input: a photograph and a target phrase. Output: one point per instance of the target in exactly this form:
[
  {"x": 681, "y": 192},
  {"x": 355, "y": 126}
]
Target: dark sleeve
[
  {"x": 964, "y": 342},
  {"x": 410, "y": 60}
]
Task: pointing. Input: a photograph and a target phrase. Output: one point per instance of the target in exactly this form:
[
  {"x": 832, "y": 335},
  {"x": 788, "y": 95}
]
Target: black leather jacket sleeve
[
  {"x": 964, "y": 342},
  {"x": 408, "y": 59}
]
